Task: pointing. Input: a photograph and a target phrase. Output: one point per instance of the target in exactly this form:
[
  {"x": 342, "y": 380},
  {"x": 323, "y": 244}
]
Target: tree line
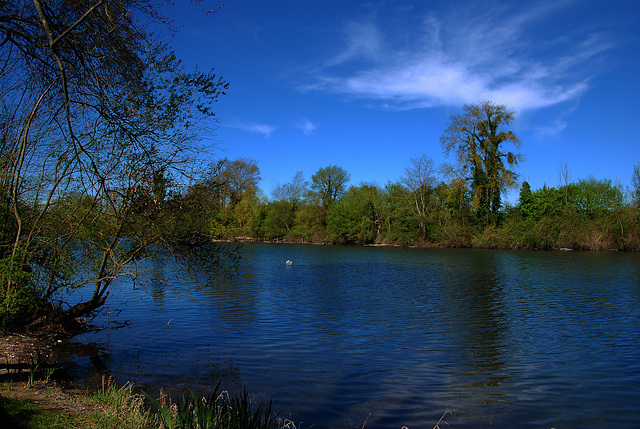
[{"x": 455, "y": 205}]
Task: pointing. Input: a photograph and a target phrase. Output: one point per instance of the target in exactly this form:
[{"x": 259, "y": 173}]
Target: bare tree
[
  {"x": 635, "y": 183},
  {"x": 94, "y": 111},
  {"x": 564, "y": 175},
  {"x": 292, "y": 191},
  {"x": 420, "y": 179}
]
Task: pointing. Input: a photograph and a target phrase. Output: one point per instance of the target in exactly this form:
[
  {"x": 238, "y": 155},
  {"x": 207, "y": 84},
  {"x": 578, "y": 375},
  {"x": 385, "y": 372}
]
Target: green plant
[
  {"x": 31, "y": 378},
  {"x": 216, "y": 410},
  {"x": 120, "y": 408},
  {"x": 48, "y": 373}
]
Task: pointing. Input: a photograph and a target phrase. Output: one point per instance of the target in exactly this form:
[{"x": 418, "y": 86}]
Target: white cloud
[
  {"x": 306, "y": 126},
  {"x": 253, "y": 127},
  {"x": 551, "y": 130},
  {"x": 498, "y": 55},
  {"x": 361, "y": 40}
]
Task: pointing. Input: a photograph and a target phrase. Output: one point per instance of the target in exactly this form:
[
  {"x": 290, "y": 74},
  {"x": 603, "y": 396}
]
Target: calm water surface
[{"x": 393, "y": 336}]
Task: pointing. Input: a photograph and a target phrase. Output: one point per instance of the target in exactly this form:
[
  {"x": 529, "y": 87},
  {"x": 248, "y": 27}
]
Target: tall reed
[{"x": 217, "y": 410}]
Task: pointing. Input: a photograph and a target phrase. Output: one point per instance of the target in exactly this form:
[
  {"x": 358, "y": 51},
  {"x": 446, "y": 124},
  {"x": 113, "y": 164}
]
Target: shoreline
[{"x": 249, "y": 240}]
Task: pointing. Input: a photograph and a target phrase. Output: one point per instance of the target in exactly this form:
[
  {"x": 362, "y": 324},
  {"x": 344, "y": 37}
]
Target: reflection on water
[{"x": 394, "y": 336}]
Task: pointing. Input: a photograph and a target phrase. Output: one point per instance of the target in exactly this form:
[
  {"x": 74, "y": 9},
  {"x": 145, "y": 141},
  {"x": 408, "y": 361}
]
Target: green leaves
[
  {"x": 328, "y": 184},
  {"x": 217, "y": 410}
]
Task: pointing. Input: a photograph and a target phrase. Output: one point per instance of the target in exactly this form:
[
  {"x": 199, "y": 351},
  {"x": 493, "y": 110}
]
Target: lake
[{"x": 390, "y": 336}]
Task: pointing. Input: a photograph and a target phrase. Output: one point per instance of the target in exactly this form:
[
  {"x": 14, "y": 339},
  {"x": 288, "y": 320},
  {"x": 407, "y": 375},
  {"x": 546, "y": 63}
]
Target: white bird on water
[{"x": 289, "y": 262}]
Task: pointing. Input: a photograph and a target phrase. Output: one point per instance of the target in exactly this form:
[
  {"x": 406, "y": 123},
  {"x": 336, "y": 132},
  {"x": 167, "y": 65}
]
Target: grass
[
  {"x": 119, "y": 408},
  {"x": 25, "y": 414},
  {"x": 35, "y": 405}
]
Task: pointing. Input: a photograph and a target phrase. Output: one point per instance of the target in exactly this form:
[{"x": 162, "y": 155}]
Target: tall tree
[
  {"x": 96, "y": 110},
  {"x": 526, "y": 199},
  {"x": 419, "y": 178},
  {"x": 238, "y": 177},
  {"x": 328, "y": 184},
  {"x": 564, "y": 174},
  {"x": 635, "y": 186},
  {"x": 477, "y": 137},
  {"x": 293, "y": 191}
]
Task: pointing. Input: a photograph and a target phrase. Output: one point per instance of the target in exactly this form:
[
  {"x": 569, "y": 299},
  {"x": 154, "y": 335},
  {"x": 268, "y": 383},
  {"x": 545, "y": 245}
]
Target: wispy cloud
[
  {"x": 306, "y": 126},
  {"x": 498, "y": 55},
  {"x": 253, "y": 127},
  {"x": 550, "y": 130},
  {"x": 361, "y": 40}
]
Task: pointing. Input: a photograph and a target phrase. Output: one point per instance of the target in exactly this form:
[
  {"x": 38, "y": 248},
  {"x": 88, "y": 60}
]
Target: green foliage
[
  {"x": 398, "y": 223},
  {"x": 353, "y": 218},
  {"x": 19, "y": 297},
  {"x": 237, "y": 178},
  {"x": 279, "y": 219},
  {"x": 217, "y": 410},
  {"x": 329, "y": 184},
  {"x": 546, "y": 202},
  {"x": 526, "y": 200},
  {"x": 594, "y": 197},
  {"x": 311, "y": 223}
]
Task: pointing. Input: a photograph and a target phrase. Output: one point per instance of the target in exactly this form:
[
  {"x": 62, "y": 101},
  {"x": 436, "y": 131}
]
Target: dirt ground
[{"x": 21, "y": 352}]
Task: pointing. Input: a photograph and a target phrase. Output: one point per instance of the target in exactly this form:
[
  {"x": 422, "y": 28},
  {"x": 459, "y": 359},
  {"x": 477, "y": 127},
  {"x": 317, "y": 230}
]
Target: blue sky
[{"x": 368, "y": 85}]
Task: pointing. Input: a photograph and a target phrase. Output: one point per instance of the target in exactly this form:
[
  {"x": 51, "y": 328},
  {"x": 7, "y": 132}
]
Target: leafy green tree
[
  {"x": 396, "y": 215},
  {"x": 190, "y": 213},
  {"x": 477, "y": 137},
  {"x": 279, "y": 220},
  {"x": 247, "y": 211},
  {"x": 547, "y": 202},
  {"x": 311, "y": 223},
  {"x": 353, "y": 218},
  {"x": 280, "y": 214},
  {"x": 597, "y": 196},
  {"x": 328, "y": 184},
  {"x": 94, "y": 110},
  {"x": 526, "y": 200},
  {"x": 237, "y": 177}
]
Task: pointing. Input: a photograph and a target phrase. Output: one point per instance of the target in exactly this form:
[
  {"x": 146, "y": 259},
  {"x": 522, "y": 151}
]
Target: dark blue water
[{"x": 394, "y": 336}]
